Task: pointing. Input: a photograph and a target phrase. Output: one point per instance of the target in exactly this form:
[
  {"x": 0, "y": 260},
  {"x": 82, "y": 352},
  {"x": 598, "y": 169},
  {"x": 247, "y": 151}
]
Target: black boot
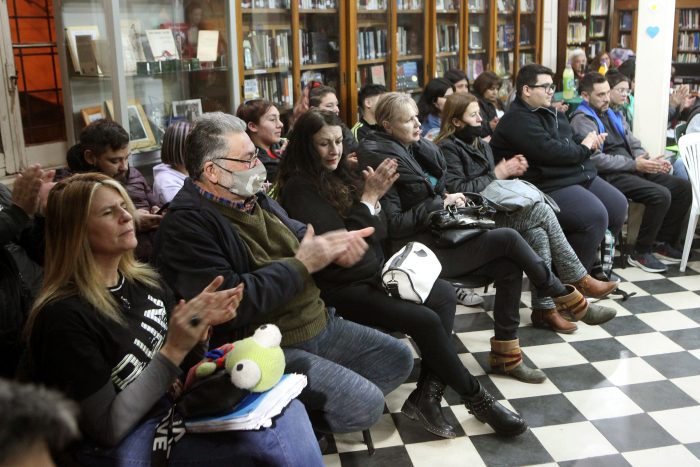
[
  {"x": 487, "y": 410},
  {"x": 423, "y": 404}
]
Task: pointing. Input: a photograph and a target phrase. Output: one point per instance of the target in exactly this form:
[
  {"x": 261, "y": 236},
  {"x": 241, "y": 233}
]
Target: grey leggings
[{"x": 541, "y": 230}]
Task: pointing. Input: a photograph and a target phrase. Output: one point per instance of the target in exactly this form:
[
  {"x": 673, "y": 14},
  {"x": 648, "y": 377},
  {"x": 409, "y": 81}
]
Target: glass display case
[
  {"x": 144, "y": 64},
  {"x": 478, "y": 37},
  {"x": 447, "y": 35},
  {"x": 410, "y": 45}
]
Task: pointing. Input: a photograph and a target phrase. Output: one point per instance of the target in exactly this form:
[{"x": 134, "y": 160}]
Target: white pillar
[
  {"x": 549, "y": 33},
  {"x": 653, "y": 74}
]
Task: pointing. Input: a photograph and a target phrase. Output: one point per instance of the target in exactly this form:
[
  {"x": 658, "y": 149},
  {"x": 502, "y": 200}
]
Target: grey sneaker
[
  {"x": 468, "y": 297},
  {"x": 646, "y": 262},
  {"x": 668, "y": 253}
]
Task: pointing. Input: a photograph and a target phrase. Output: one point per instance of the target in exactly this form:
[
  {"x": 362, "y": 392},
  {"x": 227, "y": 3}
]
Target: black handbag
[
  {"x": 210, "y": 396},
  {"x": 454, "y": 225}
]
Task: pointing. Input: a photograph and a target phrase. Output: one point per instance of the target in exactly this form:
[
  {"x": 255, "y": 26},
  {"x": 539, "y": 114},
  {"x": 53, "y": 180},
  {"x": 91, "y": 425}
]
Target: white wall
[
  {"x": 653, "y": 73},
  {"x": 549, "y": 34}
]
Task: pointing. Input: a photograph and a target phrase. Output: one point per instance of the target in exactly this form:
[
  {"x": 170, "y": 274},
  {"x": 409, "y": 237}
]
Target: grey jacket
[{"x": 583, "y": 124}]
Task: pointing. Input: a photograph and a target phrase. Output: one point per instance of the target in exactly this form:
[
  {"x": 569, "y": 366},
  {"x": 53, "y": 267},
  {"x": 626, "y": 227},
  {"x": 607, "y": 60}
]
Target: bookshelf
[
  {"x": 449, "y": 30},
  {"x": 624, "y": 24},
  {"x": 529, "y": 36},
  {"x": 478, "y": 37},
  {"x": 412, "y": 34},
  {"x": 285, "y": 44},
  {"x": 583, "y": 24},
  {"x": 686, "y": 48}
]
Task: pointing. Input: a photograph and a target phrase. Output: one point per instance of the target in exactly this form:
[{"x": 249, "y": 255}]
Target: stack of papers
[{"x": 256, "y": 410}]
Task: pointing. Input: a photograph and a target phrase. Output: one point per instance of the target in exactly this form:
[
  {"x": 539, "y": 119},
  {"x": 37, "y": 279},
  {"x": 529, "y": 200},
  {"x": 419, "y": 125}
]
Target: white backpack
[{"x": 411, "y": 273}]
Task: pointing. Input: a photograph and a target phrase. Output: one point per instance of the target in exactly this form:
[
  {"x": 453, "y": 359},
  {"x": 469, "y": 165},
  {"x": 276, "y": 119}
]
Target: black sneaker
[
  {"x": 668, "y": 253},
  {"x": 646, "y": 262}
]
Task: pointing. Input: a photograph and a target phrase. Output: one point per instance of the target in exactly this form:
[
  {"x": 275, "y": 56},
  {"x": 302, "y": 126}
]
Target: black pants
[
  {"x": 430, "y": 325},
  {"x": 586, "y": 211},
  {"x": 502, "y": 255},
  {"x": 666, "y": 201}
]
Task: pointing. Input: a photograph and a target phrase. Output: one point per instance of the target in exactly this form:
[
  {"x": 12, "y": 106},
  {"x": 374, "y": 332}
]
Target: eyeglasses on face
[
  {"x": 622, "y": 91},
  {"x": 250, "y": 162},
  {"x": 548, "y": 88}
]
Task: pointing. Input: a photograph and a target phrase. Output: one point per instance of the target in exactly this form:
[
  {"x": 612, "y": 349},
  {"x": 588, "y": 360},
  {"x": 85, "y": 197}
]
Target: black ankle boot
[
  {"x": 487, "y": 410},
  {"x": 423, "y": 404}
]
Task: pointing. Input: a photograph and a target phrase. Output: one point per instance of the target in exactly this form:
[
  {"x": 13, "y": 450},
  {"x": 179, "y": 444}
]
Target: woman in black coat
[
  {"x": 316, "y": 185},
  {"x": 500, "y": 254},
  {"x": 470, "y": 167}
]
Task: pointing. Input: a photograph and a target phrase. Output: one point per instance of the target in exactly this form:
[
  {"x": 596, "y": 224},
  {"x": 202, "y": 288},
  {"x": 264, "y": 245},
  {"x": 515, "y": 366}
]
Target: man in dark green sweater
[{"x": 221, "y": 223}]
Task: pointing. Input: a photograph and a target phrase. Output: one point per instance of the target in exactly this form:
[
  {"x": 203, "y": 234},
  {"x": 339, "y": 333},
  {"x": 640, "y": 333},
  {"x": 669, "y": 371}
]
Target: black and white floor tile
[{"x": 624, "y": 393}]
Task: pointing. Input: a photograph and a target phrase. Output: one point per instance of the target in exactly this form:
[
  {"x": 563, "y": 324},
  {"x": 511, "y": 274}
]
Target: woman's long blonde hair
[
  {"x": 455, "y": 106},
  {"x": 69, "y": 265}
]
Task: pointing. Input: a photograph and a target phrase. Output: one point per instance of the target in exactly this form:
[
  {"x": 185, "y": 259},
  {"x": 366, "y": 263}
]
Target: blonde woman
[{"x": 107, "y": 332}]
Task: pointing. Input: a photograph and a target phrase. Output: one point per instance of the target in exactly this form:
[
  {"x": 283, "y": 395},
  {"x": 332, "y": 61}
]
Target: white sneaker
[{"x": 468, "y": 297}]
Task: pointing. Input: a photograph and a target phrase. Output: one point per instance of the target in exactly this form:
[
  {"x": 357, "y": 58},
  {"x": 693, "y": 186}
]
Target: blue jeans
[
  {"x": 290, "y": 441},
  {"x": 350, "y": 368},
  {"x": 679, "y": 169}
]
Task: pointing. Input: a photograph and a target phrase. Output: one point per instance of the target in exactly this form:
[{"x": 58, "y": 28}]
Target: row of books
[
  {"x": 505, "y": 6},
  {"x": 444, "y": 64},
  {"x": 527, "y": 34},
  {"x": 689, "y": 19},
  {"x": 596, "y": 47},
  {"x": 597, "y": 27},
  {"x": 265, "y": 49},
  {"x": 408, "y": 40},
  {"x": 279, "y": 88},
  {"x": 371, "y": 43},
  {"x": 475, "y": 66},
  {"x": 371, "y": 74},
  {"x": 476, "y": 41},
  {"x": 447, "y": 37},
  {"x": 688, "y": 58},
  {"x": 689, "y": 41},
  {"x": 315, "y": 47},
  {"x": 409, "y": 4},
  {"x": 525, "y": 58},
  {"x": 600, "y": 7},
  {"x": 527, "y": 6},
  {"x": 318, "y": 4},
  {"x": 578, "y": 7},
  {"x": 476, "y": 5},
  {"x": 371, "y": 4},
  {"x": 504, "y": 64},
  {"x": 505, "y": 35},
  {"x": 265, "y": 4},
  {"x": 446, "y": 5},
  {"x": 575, "y": 33}
]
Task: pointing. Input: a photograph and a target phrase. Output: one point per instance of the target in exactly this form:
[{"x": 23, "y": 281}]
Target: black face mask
[{"x": 467, "y": 133}]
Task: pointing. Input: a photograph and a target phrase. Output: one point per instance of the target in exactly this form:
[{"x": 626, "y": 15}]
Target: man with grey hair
[{"x": 221, "y": 223}]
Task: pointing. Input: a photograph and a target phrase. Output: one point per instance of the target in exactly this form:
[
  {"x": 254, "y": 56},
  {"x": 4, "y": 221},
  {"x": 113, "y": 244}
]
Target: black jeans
[
  {"x": 586, "y": 211},
  {"x": 502, "y": 255},
  {"x": 666, "y": 201},
  {"x": 429, "y": 324}
]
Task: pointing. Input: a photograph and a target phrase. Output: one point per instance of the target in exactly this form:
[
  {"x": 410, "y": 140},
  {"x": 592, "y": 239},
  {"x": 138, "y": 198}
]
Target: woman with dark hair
[
  {"x": 325, "y": 98},
  {"x": 264, "y": 127},
  {"x": 486, "y": 87},
  {"x": 108, "y": 332},
  {"x": 430, "y": 105},
  {"x": 470, "y": 167},
  {"x": 500, "y": 254},
  {"x": 170, "y": 174},
  {"x": 621, "y": 97},
  {"x": 318, "y": 187},
  {"x": 459, "y": 80}
]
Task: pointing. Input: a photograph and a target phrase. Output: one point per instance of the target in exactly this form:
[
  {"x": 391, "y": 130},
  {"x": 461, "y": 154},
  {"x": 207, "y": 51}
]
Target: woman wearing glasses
[
  {"x": 264, "y": 127},
  {"x": 486, "y": 87},
  {"x": 470, "y": 168}
]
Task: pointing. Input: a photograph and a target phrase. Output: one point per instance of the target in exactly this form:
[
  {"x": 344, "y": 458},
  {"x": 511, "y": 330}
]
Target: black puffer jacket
[
  {"x": 412, "y": 198},
  {"x": 546, "y": 139},
  {"x": 488, "y": 112},
  {"x": 469, "y": 168}
]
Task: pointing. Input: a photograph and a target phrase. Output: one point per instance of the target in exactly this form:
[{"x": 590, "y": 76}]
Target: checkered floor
[{"x": 624, "y": 393}]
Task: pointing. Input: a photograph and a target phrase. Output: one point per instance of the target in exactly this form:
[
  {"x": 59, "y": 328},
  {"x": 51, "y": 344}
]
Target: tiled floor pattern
[{"x": 624, "y": 393}]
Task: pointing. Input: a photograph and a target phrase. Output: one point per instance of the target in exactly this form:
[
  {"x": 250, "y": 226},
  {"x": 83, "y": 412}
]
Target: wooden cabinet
[
  {"x": 583, "y": 24},
  {"x": 624, "y": 24},
  {"x": 686, "y": 47}
]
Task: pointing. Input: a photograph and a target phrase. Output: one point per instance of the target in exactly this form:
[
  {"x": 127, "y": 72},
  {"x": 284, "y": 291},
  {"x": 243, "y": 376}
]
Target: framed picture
[
  {"x": 140, "y": 133},
  {"x": 190, "y": 109},
  {"x": 91, "y": 114}
]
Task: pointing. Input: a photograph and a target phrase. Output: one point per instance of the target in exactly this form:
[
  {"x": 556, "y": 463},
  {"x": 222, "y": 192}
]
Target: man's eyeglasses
[
  {"x": 250, "y": 162},
  {"x": 548, "y": 88}
]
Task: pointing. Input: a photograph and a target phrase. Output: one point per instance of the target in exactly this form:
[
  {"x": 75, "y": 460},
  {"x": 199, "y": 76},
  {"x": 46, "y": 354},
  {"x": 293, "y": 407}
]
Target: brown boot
[
  {"x": 551, "y": 319},
  {"x": 593, "y": 288},
  {"x": 573, "y": 305},
  {"x": 505, "y": 359}
]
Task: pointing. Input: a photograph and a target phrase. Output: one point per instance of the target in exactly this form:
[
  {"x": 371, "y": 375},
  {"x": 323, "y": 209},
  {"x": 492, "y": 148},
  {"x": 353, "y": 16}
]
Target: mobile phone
[{"x": 163, "y": 208}]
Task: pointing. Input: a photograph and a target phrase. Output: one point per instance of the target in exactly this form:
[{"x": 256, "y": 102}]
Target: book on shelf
[
  {"x": 578, "y": 7},
  {"x": 625, "y": 40},
  {"x": 378, "y": 75},
  {"x": 475, "y": 38},
  {"x": 371, "y": 43},
  {"x": 251, "y": 90},
  {"x": 276, "y": 4},
  {"x": 267, "y": 49},
  {"x": 318, "y": 4},
  {"x": 447, "y": 37},
  {"x": 575, "y": 33},
  {"x": 207, "y": 46},
  {"x": 87, "y": 55},
  {"x": 162, "y": 44},
  {"x": 599, "y": 7},
  {"x": 505, "y": 35},
  {"x": 407, "y": 75},
  {"x": 476, "y": 5},
  {"x": 71, "y": 33},
  {"x": 504, "y": 64},
  {"x": 275, "y": 87},
  {"x": 372, "y": 4},
  {"x": 689, "y": 41},
  {"x": 526, "y": 34},
  {"x": 527, "y": 6},
  {"x": 689, "y": 18},
  {"x": 474, "y": 68},
  {"x": 626, "y": 20},
  {"x": 409, "y": 4},
  {"x": 595, "y": 47},
  {"x": 597, "y": 27},
  {"x": 525, "y": 58}
]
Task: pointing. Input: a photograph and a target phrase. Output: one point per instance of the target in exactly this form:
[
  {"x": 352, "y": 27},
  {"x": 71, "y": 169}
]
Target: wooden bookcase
[
  {"x": 584, "y": 24},
  {"x": 624, "y": 24},
  {"x": 686, "y": 48}
]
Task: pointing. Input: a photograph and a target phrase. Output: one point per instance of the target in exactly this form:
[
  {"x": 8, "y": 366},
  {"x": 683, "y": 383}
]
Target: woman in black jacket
[
  {"x": 470, "y": 167},
  {"x": 317, "y": 186},
  {"x": 486, "y": 87},
  {"x": 500, "y": 254}
]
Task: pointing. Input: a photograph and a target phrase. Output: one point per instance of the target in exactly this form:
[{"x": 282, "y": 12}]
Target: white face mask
[{"x": 246, "y": 183}]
